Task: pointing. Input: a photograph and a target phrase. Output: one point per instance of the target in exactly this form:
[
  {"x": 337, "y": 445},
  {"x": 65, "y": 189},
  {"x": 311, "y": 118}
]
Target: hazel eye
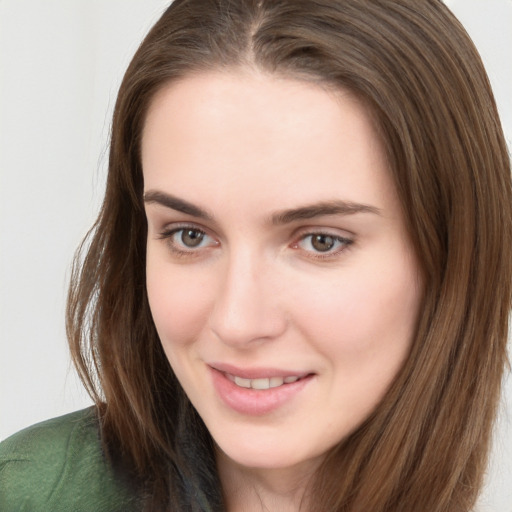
[
  {"x": 187, "y": 240},
  {"x": 190, "y": 237},
  {"x": 323, "y": 243}
]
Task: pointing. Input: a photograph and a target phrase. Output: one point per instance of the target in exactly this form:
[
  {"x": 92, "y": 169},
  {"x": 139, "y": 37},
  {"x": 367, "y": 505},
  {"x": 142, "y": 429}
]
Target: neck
[{"x": 263, "y": 489}]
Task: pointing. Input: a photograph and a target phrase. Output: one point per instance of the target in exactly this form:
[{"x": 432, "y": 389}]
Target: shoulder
[{"x": 60, "y": 465}]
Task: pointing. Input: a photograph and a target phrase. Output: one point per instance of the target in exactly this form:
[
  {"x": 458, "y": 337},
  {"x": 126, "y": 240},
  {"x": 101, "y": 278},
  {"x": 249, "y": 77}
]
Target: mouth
[
  {"x": 262, "y": 383},
  {"x": 258, "y": 391}
]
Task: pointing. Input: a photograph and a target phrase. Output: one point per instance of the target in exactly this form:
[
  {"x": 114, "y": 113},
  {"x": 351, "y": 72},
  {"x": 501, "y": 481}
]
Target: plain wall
[{"x": 61, "y": 62}]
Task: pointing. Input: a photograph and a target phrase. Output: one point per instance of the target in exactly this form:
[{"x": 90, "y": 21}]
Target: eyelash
[
  {"x": 168, "y": 235},
  {"x": 343, "y": 242}
]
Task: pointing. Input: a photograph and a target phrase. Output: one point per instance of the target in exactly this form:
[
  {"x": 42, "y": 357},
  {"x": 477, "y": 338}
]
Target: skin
[{"x": 256, "y": 291}]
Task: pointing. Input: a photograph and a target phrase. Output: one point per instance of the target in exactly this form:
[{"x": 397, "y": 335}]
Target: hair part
[{"x": 414, "y": 67}]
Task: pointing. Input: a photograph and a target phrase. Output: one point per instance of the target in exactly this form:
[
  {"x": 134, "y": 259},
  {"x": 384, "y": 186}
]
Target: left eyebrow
[{"x": 320, "y": 209}]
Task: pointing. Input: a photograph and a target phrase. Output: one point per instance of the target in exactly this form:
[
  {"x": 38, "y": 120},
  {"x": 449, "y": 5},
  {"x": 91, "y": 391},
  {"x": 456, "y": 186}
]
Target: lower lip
[{"x": 256, "y": 402}]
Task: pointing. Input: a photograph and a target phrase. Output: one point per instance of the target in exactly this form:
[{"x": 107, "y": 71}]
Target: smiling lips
[
  {"x": 262, "y": 383},
  {"x": 255, "y": 392}
]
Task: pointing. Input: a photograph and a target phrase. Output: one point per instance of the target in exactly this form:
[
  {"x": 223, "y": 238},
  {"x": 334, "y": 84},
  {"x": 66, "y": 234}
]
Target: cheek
[
  {"x": 364, "y": 331},
  {"x": 178, "y": 302},
  {"x": 365, "y": 318}
]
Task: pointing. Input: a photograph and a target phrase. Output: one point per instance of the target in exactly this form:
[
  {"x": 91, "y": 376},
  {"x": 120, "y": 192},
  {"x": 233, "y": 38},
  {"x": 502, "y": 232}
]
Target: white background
[{"x": 61, "y": 62}]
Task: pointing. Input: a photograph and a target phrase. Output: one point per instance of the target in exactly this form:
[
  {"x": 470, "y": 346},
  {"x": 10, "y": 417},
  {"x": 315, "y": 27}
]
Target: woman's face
[{"x": 279, "y": 272}]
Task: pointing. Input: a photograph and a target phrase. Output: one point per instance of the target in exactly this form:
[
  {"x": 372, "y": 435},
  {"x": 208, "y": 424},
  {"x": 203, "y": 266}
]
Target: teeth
[
  {"x": 243, "y": 383},
  {"x": 260, "y": 383},
  {"x": 272, "y": 382}
]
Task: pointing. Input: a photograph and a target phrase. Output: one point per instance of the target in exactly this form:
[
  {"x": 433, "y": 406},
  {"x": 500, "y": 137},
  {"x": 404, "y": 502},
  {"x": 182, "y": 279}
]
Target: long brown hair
[{"x": 425, "y": 447}]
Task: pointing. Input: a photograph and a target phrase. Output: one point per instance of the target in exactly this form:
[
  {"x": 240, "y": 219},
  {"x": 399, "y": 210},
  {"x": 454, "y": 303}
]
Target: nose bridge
[{"x": 246, "y": 309}]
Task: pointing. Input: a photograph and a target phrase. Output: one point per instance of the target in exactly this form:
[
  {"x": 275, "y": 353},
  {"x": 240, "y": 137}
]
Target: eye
[
  {"x": 190, "y": 238},
  {"x": 187, "y": 240},
  {"x": 323, "y": 244}
]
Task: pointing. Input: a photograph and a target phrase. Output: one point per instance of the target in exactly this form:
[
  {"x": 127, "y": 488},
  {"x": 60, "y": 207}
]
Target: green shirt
[{"x": 59, "y": 465}]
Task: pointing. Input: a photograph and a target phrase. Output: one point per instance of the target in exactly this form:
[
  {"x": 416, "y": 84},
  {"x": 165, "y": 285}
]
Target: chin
[{"x": 267, "y": 451}]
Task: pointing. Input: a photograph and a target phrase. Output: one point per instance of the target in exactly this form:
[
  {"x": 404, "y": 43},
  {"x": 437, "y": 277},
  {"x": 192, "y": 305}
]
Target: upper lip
[{"x": 256, "y": 372}]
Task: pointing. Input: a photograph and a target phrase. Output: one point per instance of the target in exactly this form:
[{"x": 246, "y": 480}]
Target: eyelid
[
  {"x": 167, "y": 233},
  {"x": 171, "y": 227},
  {"x": 303, "y": 233},
  {"x": 322, "y": 230}
]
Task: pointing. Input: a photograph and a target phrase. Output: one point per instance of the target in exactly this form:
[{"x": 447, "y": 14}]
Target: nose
[{"x": 247, "y": 307}]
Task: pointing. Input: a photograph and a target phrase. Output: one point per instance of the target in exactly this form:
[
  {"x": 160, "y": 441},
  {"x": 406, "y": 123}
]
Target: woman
[{"x": 296, "y": 293}]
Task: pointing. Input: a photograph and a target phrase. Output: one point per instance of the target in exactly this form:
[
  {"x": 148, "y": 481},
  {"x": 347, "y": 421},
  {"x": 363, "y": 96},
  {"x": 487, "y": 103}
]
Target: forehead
[
  {"x": 221, "y": 131},
  {"x": 247, "y": 96}
]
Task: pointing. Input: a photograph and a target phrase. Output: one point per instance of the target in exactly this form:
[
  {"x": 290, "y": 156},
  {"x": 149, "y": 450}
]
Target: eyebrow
[
  {"x": 180, "y": 205},
  {"x": 283, "y": 217},
  {"x": 323, "y": 208}
]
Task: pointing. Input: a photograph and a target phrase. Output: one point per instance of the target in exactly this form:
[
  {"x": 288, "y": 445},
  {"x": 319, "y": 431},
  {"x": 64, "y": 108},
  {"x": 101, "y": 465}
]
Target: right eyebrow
[{"x": 174, "y": 203}]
